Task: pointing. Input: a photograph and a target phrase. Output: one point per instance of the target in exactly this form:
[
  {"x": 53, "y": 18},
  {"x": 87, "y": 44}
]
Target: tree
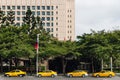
[
  {"x": 99, "y": 46},
  {"x": 15, "y": 43},
  {"x": 10, "y": 18},
  {"x": 64, "y": 49},
  {"x": 2, "y": 16},
  {"x": 28, "y": 17}
]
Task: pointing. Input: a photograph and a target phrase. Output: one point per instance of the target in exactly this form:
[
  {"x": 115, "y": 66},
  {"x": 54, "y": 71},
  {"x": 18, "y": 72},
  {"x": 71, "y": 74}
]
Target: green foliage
[
  {"x": 101, "y": 45},
  {"x": 28, "y": 18},
  {"x": 10, "y": 18},
  {"x": 2, "y": 17}
]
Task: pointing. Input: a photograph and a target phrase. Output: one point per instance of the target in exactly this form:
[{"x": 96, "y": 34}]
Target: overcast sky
[{"x": 97, "y": 15}]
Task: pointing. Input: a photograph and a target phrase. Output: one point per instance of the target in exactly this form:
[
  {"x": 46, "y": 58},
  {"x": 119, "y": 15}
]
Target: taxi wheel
[
  {"x": 20, "y": 75},
  {"x": 52, "y": 75},
  {"x": 39, "y": 75},
  {"x": 83, "y": 75},
  {"x": 97, "y": 75},
  {"x": 110, "y": 76},
  {"x": 7, "y": 75},
  {"x": 70, "y": 75}
]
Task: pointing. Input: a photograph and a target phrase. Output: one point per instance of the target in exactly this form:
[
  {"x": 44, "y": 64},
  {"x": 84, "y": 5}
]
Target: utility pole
[
  {"x": 37, "y": 51},
  {"x": 111, "y": 64},
  {"x": 102, "y": 64}
]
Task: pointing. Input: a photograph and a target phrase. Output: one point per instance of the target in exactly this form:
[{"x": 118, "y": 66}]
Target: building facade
[{"x": 58, "y": 15}]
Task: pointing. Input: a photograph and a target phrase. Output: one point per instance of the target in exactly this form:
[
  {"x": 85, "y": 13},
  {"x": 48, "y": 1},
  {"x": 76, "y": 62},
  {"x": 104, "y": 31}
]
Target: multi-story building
[{"x": 58, "y": 15}]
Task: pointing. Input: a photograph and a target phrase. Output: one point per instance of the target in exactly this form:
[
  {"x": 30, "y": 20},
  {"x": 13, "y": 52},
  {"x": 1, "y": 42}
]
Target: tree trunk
[
  {"x": 92, "y": 66},
  {"x": 16, "y": 62},
  {"x": 1, "y": 65},
  {"x": 64, "y": 63},
  {"x": 10, "y": 64}
]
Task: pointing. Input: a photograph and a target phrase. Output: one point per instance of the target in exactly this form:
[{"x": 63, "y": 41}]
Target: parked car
[
  {"x": 16, "y": 72},
  {"x": 48, "y": 73},
  {"x": 77, "y": 73},
  {"x": 104, "y": 74}
]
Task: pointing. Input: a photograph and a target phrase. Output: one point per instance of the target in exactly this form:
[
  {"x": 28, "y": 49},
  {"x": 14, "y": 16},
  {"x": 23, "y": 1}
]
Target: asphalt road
[{"x": 56, "y": 78}]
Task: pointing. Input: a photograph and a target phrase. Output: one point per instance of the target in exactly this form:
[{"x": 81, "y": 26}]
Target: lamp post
[{"x": 37, "y": 50}]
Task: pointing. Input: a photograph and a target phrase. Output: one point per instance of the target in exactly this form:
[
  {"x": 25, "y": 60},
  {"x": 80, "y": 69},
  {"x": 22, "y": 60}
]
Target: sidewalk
[{"x": 118, "y": 74}]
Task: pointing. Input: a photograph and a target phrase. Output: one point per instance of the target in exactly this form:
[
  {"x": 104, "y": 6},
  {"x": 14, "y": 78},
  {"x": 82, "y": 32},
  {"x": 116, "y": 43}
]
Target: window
[
  {"x": 17, "y": 71},
  {"x": 43, "y": 7},
  {"x": 56, "y": 12},
  {"x": 43, "y": 18},
  {"x": 18, "y": 12},
  {"x": 48, "y": 24},
  {"x": 68, "y": 26},
  {"x": 56, "y": 23},
  {"x": 43, "y": 24},
  {"x": 8, "y": 7},
  {"x": 68, "y": 21},
  {"x": 56, "y": 7},
  {"x": 23, "y": 12},
  {"x": 22, "y": 18},
  {"x": 52, "y": 13},
  {"x": 13, "y": 7},
  {"x": 48, "y": 29},
  {"x": 48, "y": 7},
  {"x": 18, "y": 24},
  {"x": 56, "y": 35},
  {"x": 52, "y": 7},
  {"x": 38, "y": 12},
  {"x": 52, "y": 35},
  {"x": 33, "y": 7},
  {"x": 68, "y": 11},
  {"x": 14, "y": 12},
  {"x": 56, "y": 18},
  {"x": 52, "y": 18},
  {"x": 33, "y": 12},
  {"x": 23, "y": 7},
  {"x": 52, "y": 24},
  {"x": 8, "y": 12},
  {"x": 4, "y": 12},
  {"x": 48, "y": 13},
  {"x": 51, "y": 29},
  {"x": 68, "y": 16},
  {"x": 56, "y": 29},
  {"x": 3, "y": 7},
  {"x": 28, "y": 7},
  {"x": 18, "y": 7},
  {"x": 38, "y": 7},
  {"x": 48, "y": 18},
  {"x": 18, "y": 18},
  {"x": 43, "y": 12}
]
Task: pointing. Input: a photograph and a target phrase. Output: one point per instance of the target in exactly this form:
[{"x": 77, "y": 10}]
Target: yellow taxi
[
  {"x": 48, "y": 73},
  {"x": 16, "y": 72},
  {"x": 77, "y": 73},
  {"x": 104, "y": 74}
]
